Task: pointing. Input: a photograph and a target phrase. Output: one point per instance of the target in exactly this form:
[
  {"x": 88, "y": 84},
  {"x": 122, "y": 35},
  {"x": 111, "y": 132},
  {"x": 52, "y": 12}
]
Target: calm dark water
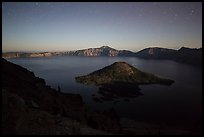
[{"x": 178, "y": 104}]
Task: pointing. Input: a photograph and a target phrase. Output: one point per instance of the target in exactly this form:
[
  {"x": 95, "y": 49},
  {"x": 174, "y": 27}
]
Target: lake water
[{"x": 180, "y": 103}]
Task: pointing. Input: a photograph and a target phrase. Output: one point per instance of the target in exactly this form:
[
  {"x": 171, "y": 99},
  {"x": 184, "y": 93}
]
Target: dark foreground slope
[{"x": 31, "y": 107}]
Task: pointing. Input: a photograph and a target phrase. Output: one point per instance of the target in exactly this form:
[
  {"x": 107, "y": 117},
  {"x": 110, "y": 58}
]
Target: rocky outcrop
[
  {"x": 32, "y": 107},
  {"x": 44, "y": 54},
  {"x": 132, "y": 127},
  {"x": 20, "y": 119},
  {"x": 102, "y": 51}
]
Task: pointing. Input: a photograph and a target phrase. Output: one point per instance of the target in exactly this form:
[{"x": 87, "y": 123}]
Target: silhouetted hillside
[
  {"x": 156, "y": 53},
  {"x": 189, "y": 56},
  {"x": 183, "y": 55}
]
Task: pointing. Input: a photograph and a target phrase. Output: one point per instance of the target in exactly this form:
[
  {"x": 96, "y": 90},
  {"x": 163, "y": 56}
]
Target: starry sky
[{"x": 64, "y": 26}]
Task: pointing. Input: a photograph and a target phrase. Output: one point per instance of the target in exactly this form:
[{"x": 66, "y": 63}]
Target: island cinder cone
[{"x": 121, "y": 72}]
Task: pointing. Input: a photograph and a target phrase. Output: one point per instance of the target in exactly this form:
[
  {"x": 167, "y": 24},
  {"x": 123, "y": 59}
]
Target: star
[
  {"x": 192, "y": 12},
  {"x": 175, "y": 16},
  {"x": 37, "y": 5}
]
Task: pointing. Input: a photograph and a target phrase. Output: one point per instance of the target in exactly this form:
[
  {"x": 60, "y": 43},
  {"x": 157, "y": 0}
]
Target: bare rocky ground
[
  {"x": 19, "y": 119},
  {"x": 132, "y": 127}
]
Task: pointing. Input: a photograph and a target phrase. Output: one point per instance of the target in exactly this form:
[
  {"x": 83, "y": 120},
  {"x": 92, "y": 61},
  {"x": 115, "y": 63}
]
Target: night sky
[{"x": 63, "y": 26}]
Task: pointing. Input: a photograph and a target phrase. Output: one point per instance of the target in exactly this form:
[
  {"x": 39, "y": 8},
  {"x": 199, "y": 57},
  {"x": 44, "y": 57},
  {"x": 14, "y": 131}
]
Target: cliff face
[
  {"x": 102, "y": 51},
  {"x": 22, "y": 54},
  {"x": 31, "y": 107}
]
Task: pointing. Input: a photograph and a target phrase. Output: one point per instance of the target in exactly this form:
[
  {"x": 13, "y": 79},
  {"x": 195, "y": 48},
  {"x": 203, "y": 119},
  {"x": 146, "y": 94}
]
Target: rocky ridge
[{"x": 183, "y": 55}]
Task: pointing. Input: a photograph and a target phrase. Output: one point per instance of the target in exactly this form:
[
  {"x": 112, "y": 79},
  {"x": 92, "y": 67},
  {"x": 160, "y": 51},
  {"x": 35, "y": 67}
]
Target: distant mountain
[
  {"x": 189, "y": 56},
  {"x": 156, "y": 53},
  {"x": 121, "y": 72},
  {"x": 183, "y": 55},
  {"x": 126, "y": 53},
  {"x": 24, "y": 55},
  {"x": 102, "y": 51},
  {"x": 10, "y": 55}
]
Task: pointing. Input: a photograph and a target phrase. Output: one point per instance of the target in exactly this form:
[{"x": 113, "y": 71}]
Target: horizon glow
[{"x": 65, "y": 26}]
